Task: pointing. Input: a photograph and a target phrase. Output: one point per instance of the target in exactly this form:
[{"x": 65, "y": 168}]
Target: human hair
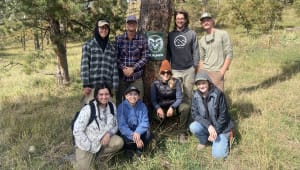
[
  {"x": 100, "y": 87},
  {"x": 186, "y": 17}
]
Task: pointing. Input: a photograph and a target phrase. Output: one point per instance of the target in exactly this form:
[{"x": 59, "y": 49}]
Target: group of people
[{"x": 118, "y": 68}]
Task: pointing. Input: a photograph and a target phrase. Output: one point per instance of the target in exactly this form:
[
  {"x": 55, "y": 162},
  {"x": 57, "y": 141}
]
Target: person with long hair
[{"x": 98, "y": 137}]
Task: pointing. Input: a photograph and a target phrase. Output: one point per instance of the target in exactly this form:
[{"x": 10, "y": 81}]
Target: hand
[
  {"x": 87, "y": 91},
  {"x": 128, "y": 71},
  {"x": 222, "y": 71},
  {"x": 136, "y": 137},
  {"x": 140, "y": 144},
  {"x": 212, "y": 133},
  {"x": 160, "y": 113},
  {"x": 170, "y": 112},
  {"x": 105, "y": 139}
]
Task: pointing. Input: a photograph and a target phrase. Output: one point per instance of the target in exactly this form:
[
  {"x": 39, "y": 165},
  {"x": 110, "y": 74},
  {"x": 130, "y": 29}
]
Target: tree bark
[
  {"x": 58, "y": 41},
  {"x": 155, "y": 15}
]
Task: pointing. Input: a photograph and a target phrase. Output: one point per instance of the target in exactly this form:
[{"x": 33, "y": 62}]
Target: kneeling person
[
  {"x": 212, "y": 121},
  {"x": 133, "y": 122},
  {"x": 97, "y": 137},
  {"x": 166, "y": 98}
]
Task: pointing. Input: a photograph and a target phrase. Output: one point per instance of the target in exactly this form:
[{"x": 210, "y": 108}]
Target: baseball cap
[
  {"x": 131, "y": 18},
  {"x": 205, "y": 15},
  {"x": 131, "y": 88},
  {"x": 102, "y": 23}
]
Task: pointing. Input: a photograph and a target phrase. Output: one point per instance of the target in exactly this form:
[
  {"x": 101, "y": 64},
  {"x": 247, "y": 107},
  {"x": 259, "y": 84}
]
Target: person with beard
[
  {"x": 183, "y": 53},
  {"x": 215, "y": 51},
  {"x": 98, "y": 62},
  {"x": 132, "y": 55}
]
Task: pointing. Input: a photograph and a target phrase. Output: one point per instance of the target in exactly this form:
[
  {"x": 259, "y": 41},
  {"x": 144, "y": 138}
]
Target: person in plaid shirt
[
  {"x": 132, "y": 55},
  {"x": 98, "y": 62}
]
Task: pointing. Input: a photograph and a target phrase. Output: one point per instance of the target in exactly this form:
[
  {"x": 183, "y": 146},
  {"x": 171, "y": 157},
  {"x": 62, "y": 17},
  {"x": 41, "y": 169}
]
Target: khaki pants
[
  {"x": 187, "y": 78},
  {"x": 216, "y": 78},
  {"x": 85, "y": 160}
]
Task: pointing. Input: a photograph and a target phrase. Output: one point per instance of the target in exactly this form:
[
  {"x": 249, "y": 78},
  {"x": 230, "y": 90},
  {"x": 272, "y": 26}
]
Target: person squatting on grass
[
  {"x": 99, "y": 61},
  {"x": 99, "y": 137},
  {"x": 132, "y": 53},
  {"x": 133, "y": 122},
  {"x": 211, "y": 120},
  {"x": 166, "y": 98},
  {"x": 215, "y": 51}
]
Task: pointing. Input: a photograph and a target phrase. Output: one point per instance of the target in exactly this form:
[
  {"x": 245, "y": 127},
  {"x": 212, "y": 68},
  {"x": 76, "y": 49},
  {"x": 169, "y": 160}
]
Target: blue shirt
[
  {"x": 132, "y": 53},
  {"x": 132, "y": 119}
]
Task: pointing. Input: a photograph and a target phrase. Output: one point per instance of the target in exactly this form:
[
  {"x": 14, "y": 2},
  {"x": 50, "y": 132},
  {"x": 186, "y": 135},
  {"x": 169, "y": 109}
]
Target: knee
[
  {"x": 194, "y": 127},
  {"x": 219, "y": 152}
]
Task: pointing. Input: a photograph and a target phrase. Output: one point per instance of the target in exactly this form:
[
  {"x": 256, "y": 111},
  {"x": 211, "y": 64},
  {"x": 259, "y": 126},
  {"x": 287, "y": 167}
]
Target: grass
[{"x": 262, "y": 87}]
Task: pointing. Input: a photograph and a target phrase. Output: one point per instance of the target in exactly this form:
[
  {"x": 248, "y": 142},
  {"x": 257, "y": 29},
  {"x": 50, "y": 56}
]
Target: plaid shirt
[
  {"x": 98, "y": 66},
  {"x": 132, "y": 53}
]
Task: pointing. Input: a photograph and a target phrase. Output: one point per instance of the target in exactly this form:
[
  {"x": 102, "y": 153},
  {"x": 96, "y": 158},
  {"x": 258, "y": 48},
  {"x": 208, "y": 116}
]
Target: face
[
  {"x": 180, "y": 21},
  {"x": 103, "y": 96},
  {"x": 103, "y": 31},
  {"x": 202, "y": 86},
  {"x": 165, "y": 75},
  {"x": 132, "y": 97},
  {"x": 207, "y": 23},
  {"x": 131, "y": 26}
]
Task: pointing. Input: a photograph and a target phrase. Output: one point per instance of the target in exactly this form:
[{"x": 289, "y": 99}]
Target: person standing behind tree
[
  {"x": 98, "y": 62},
  {"x": 183, "y": 53},
  {"x": 132, "y": 56},
  {"x": 215, "y": 50},
  {"x": 166, "y": 98}
]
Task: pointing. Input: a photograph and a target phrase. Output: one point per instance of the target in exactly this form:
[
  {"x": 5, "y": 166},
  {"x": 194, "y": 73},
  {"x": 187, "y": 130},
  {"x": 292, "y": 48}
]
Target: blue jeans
[{"x": 219, "y": 146}]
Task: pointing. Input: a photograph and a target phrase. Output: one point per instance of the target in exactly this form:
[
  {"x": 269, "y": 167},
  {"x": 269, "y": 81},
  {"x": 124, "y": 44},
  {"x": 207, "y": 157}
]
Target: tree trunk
[
  {"x": 154, "y": 16},
  {"x": 58, "y": 41}
]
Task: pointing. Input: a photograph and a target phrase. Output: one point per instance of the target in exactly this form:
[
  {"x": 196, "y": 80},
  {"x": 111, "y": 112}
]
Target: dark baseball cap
[
  {"x": 131, "y": 18},
  {"x": 130, "y": 89}
]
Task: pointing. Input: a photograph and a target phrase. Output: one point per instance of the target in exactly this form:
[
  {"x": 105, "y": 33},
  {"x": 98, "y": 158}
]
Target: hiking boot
[
  {"x": 182, "y": 138},
  {"x": 200, "y": 147}
]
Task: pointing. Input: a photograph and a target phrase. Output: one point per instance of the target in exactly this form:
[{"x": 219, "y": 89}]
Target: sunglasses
[
  {"x": 165, "y": 72},
  {"x": 210, "y": 38}
]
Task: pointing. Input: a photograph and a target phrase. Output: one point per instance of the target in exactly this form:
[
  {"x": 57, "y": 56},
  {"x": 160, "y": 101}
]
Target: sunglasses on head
[{"x": 165, "y": 72}]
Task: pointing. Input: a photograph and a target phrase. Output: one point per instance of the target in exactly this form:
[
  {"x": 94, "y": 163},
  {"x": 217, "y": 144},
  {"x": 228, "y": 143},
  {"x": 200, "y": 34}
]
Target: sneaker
[
  {"x": 182, "y": 138},
  {"x": 200, "y": 147}
]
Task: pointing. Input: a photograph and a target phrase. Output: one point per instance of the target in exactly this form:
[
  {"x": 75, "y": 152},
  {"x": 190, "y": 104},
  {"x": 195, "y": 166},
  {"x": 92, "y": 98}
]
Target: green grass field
[{"x": 262, "y": 87}]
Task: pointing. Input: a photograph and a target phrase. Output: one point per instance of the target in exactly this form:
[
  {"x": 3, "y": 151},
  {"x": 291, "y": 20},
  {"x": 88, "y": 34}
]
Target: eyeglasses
[
  {"x": 165, "y": 72},
  {"x": 210, "y": 38}
]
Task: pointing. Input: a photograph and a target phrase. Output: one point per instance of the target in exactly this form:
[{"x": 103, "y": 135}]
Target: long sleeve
[
  {"x": 195, "y": 50},
  {"x": 122, "y": 121},
  {"x": 178, "y": 100},
  {"x": 85, "y": 66},
  {"x": 198, "y": 113},
  {"x": 223, "y": 115},
  {"x": 228, "y": 52},
  {"x": 80, "y": 126},
  {"x": 154, "y": 96},
  {"x": 143, "y": 121}
]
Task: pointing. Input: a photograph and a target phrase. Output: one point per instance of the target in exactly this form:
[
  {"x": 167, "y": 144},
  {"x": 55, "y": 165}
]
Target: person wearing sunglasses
[
  {"x": 133, "y": 122},
  {"x": 166, "y": 98},
  {"x": 98, "y": 62},
  {"x": 215, "y": 51}
]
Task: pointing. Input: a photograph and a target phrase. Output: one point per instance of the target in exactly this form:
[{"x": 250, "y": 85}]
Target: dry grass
[{"x": 262, "y": 87}]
